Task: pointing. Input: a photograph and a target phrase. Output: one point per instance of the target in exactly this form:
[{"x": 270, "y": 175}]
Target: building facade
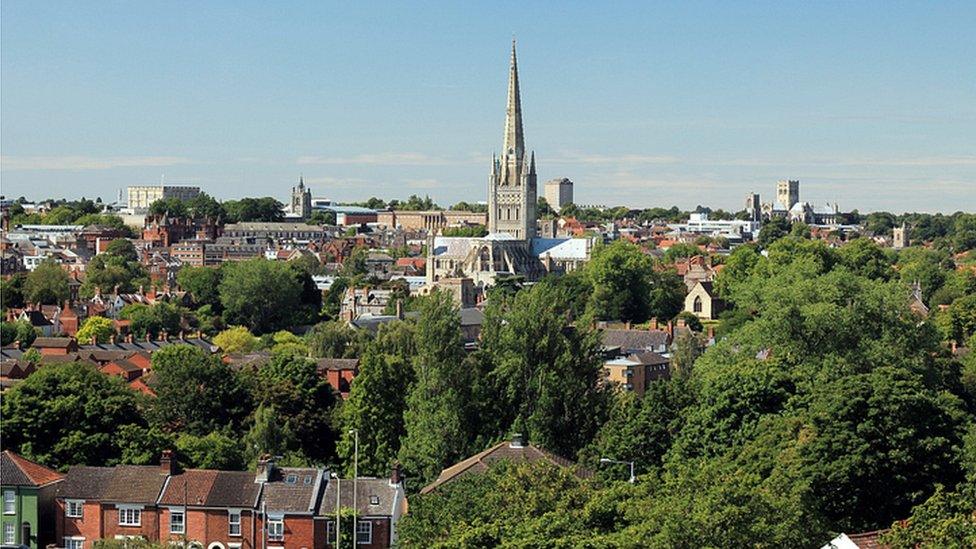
[
  {"x": 28, "y": 496},
  {"x": 301, "y": 200},
  {"x": 788, "y": 192},
  {"x": 142, "y": 196},
  {"x": 559, "y": 192}
]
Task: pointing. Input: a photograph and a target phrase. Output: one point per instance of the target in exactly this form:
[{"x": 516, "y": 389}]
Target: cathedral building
[
  {"x": 512, "y": 246},
  {"x": 301, "y": 200}
]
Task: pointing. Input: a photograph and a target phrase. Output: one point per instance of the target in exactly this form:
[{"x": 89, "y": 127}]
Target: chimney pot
[
  {"x": 166, "y": 463},
  {"x": 396, "y": 474}
]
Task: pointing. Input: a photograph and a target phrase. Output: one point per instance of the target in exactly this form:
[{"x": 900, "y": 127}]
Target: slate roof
[
  {"x": 53, "y": 342},
  {"x": 634, "y": 340},
  {"x": 150, "y": 346},
  {"x": 324, "y": 364},
  {"x": 121, "y": 484},
  {"x": 300, "y": 496},
  {"x": 648, "y": 358},
  {"x": 367, "y": 491},
  {"x": 560, "y": 248},
  {"x": 16, "y": 470},
  {"x": 234, "y": 489},
  {"x": 191, "y": 487},
  {"x": 472, "y": 316},
  {"x": 502, "y": 451}
]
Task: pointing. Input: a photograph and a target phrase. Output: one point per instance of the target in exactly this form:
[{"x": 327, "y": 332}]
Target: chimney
[
  {"x": 627, "y": 325},
  {"x": 129, "y": 338},
  {"x": 652, "y": 324},
  {"x": 681, "y": 323},
  {"x": 396, "y": 474},
  {"x": 265, "y": 468},
  {"x": 517, "y": 441},
  {"x": 711, "y": 333},
  {"x": 148, "y": 337},
  {"x": 163, "y": 336},
  {"x": 671, "y": 328},
  {"x": 399, "y": 309},
  {"x": 111, "y": 339},
  {"x": 167, "y": 466},
  {"x": 182, "y": 335}
]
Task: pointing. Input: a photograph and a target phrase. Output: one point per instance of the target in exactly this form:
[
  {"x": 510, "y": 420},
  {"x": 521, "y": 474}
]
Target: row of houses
[{"x": 270, "y": 508}]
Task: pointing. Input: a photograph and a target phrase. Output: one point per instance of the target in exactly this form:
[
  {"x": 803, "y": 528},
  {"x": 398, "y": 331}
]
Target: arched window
[{"x": 698, "y": 304}]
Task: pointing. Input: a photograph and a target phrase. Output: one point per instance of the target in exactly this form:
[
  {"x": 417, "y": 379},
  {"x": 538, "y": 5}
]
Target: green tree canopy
[
  {"x": 259, "y": 294},
  {"x": 47, "y": 284}
]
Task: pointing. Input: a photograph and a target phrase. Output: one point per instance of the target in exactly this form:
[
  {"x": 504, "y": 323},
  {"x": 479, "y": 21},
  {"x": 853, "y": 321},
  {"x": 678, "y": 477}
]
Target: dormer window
[
  {"x": 374, "y": 500},
  {"x": 291, "y": 479}
]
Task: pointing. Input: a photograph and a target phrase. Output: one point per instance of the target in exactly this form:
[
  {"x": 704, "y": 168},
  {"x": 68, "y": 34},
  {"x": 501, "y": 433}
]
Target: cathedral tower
[
  {"x": 301, "y": 200},
  {"x": 512, "y": 183}
]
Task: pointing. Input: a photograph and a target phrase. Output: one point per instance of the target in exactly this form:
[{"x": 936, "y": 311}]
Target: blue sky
[{"x": 870, "y": 104}]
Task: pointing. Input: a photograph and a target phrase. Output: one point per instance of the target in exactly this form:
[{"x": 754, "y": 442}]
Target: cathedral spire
[{"x": 514, "y": 141}]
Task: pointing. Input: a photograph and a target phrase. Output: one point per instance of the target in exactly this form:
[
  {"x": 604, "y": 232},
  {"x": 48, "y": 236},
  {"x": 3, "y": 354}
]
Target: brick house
[
  {"x": 211, "y": 509},
  {"x": 28, "y": 492},
  {"x": 379, "y": 504},
  {"x": 289, "y": 500},
  {"x": 110, "y": 503}
]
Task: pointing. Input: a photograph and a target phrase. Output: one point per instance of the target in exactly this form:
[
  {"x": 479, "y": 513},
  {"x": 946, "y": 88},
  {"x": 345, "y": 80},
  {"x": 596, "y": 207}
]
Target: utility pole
[{"x": 355, "y": 478}]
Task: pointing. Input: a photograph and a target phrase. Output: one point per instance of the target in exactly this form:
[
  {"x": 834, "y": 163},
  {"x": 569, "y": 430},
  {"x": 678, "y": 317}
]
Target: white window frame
[
  {"x": 74, "y": 508},
  {"x": 130, "y": 515},
  {"x": 364, "y": 537},
  {"x": 69, "y": 542},
  {"x": 278, "y": 532},
  {"x": 9, "y": 502},
  {"x": 9, "y": 533},
  {"x": 181, "y": 512},
  {"x": 231, "y": 523}
]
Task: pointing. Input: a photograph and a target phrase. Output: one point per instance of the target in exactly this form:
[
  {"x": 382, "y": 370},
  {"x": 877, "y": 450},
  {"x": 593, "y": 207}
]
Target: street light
[
  {"x": 338, "y": 522},
  {"x": 355, "y": 476},
  {"x": 633, "y": 478}
]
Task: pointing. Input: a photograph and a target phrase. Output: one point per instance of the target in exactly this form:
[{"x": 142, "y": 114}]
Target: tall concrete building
[
  {"x": 142, "y": 196},
  {"x": 301, "y": 200},
  {"x": 788, "y": 193},
  {"x": 512, "y": 183},
  {"x": 559, "y": 192}
]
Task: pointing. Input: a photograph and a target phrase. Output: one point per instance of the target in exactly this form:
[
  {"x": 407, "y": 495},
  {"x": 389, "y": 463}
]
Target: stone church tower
[
  {"x": 301, "y": 200},
  {"x": 512, "y": 183}
]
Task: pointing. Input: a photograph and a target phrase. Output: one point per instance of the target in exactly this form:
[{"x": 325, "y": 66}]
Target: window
[
  {"x": 291, "y": 479},
  {"x": 698, "y": 304},
  {"x": 74, "y": 508},
  {"x": 329, "y": 532},
  {"x": 276, "y": 528},
  {"x": 9, "y": 531},
  {"x": 177, "y": 521},
  {"x": 9, "y": 502},
  {"x": 364, "y": 532},
  {"x": 234, "y": 523},
  {"x": 74, "y": 543},
  {"x": 129, "y": 516},
  {"x": 374, "y": 500}
]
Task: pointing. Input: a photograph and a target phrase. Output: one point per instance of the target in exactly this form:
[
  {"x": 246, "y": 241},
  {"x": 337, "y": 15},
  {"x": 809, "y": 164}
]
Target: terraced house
[
  {"x": 28, "y": 496},
  {"x": 271, "y": 508}
]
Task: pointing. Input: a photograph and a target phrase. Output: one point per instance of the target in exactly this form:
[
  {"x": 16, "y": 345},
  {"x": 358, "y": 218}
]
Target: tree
[
  {"x": 203, "y": 283},
  {"x": 682, "y": 250},
  {"x": 259, "y": 294},
  {"x": 863, "y": 257},
  {"x": 97, "y": 327},
  {"x": 152, "y": 320},
  {"x": 265, "y": 209},
  {"x": 118, "y": 268},
  {"x": 203, "y": 206},
  {"x": 196, "y": 393},
  {"x": 18, "y": 330},
  {"x": 375, "y": 408},
  {"x": 302, "y": 401},
  {"x": 215, "y": 450},
  {"x": 435, "y": 431},
  {"x": 47, "y": 284},
  {"x": 267, "y": 436},
  {"x": 773, "y": 230},
  {"x": 322, "y": 217},
  {"x": 335, "y": 339},
  {"x": 543, "y": 209},
  {"x": 66, "y": 414},
  {"x": 12, "y": 291},
  {"x": 172, "y": 207},
  {"x": 544, "y": 369},
  {"x": 236, "y": 339},
  {"x": 621, "y": 278}
]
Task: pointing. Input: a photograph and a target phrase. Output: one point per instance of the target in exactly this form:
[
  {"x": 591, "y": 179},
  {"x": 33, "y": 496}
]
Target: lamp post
[
  {"x": 355, "y": 476},
  {"x": 338, "y": 516},
  {"x": 633, "y": 478}
]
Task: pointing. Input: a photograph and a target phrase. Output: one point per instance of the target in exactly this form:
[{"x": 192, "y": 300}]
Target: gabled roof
[
  {"x": 502, "y": 451},
  {"x": 634, "y": 340},
  {"x": 121, "y": 484},
  {"x": 325, "y": 364},
  {"x": 16, "y": 470},
  {"x": 292, "y": 490},
  {"x": 53, "y": 342},
  {"x": 368, "y": 490}
]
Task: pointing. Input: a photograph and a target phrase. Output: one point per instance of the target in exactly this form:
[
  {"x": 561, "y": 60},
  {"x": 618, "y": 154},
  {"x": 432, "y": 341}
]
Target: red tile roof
[{"x": 35, "y": 473}]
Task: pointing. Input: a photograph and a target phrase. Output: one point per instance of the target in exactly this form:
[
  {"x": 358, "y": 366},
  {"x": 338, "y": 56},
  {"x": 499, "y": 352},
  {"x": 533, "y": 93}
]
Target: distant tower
[
  {"x": 301, "y": 200},
  {"x": 753, "y": 207},
  {"x": 512, "y": 183},
  {"x": 788, "y": 193},
  {"x": 899, "y": 237},
  {"x": 559, "y": 192}
]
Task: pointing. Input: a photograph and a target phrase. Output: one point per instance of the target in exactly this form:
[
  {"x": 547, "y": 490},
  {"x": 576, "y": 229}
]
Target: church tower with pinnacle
[{"x": 512, "y": 183}]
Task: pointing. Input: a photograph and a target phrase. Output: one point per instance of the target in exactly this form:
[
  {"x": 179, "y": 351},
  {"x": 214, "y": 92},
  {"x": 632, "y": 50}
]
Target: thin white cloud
[
  {"x": 428, "y": 183},
  {"x": 379, "y": 159},
  {"x": 83, "y": 163},
  {"x": 923, "y": 161},
  {"x": 612, "y": 160}
]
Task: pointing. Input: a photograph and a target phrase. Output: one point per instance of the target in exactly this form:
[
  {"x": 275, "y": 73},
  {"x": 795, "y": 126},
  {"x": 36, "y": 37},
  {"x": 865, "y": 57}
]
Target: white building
[
  {"x": 142, "y": 196},
  {"x": 559, "y": 192}
]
